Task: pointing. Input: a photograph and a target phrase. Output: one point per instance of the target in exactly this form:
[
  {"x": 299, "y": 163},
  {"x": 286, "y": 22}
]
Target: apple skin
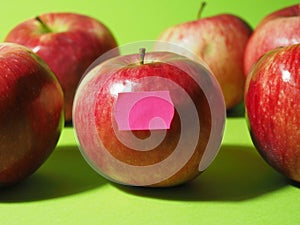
[
  {"x": 219, "y": 41},
  {"x": 103, "y": 145},
  {"x": 72, "y": 44},
  {"x": 272, "y": 102},
  {"x": 31, "y": 112},
  {"x": 277, "y": 29}
]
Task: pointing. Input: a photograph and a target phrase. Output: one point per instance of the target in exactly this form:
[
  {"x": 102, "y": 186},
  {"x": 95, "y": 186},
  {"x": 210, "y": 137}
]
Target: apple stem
[
  {"x": 203, "y": 4},
  {"x": 142, "y": 55},
  {"x": 45, "y": 27}
]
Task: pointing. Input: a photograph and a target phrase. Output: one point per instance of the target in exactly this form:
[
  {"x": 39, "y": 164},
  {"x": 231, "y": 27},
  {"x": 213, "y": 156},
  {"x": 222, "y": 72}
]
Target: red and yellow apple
[
  {"x": 68, "y": 42},
  {"x": 31, "y": 112},
  {"x": 272, "y": 102},
  {"x": 149, "y": 119},
  {"x": 219, "y": 41},
  {"x": 277, "y": 29}
]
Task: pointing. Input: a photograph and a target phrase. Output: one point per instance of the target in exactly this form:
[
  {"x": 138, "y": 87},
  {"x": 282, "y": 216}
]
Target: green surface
[{"x": 238, "y": 187}]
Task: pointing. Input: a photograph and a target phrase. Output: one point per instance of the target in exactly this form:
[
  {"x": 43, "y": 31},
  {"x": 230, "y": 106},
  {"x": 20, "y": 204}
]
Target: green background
[
  {"x": 134, "y": 20},
  {"x": 238, "y": 187}
]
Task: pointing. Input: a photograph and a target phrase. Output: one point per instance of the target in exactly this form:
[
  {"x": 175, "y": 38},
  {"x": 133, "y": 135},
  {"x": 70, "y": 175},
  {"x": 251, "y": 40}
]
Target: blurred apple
[
  {"x": 279, "y": 28},
  {"x": 289, "y": 11},
  {"x": 149, "y": 119},
  {"x": 272, "y": 101},
  {"x": 219, "y": 41},
  {"x": 68, "y": 42},
  {"x": 31, "y": 112}
]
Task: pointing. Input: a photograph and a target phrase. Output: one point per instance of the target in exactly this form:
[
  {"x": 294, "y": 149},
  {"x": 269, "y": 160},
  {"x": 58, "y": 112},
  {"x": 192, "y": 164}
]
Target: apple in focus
[
  {"x": 31, "y": 112},
  {"x": 277, "y": 29},
  {"x": 272, "y": 102},
  {"x": 220, "y": 41},
  {"x": 68, "y": 42},
  {"x": 153, "y": 119}
]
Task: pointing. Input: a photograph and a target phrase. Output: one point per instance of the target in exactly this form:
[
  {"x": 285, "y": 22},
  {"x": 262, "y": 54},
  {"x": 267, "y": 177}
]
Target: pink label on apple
[{"x": 150, "y": 110}]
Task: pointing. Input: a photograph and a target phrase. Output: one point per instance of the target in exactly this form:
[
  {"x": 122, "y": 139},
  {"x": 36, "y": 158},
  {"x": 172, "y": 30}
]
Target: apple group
[
  {"x": 41, "y": 63},
  {"x": 60, "y": 47},
  {"x": 272, "y": 93},
  {"x": 68, "y": 43}
]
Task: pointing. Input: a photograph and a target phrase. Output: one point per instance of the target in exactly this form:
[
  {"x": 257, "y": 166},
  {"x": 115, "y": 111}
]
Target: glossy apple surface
[
  {"x": 31, "y": 112},
  {"x": 279, "y": 28},
  {"x": 68, "y": 42},
  {"x": 272, "y": 101},
  {"x": 146, "y": 156},
  {"x": 219, "y": 41}
]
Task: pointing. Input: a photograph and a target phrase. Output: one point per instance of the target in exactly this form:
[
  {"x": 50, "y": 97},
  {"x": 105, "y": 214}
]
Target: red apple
[
  {"x": 68, "y": 42},
  {"x": 279, "y": 28},
  {"x": 220, "y": 41},
  {"x": 272, "y": 102},
  {"x": 31, "y": 112},
  {"x": 154, "y": 119}
]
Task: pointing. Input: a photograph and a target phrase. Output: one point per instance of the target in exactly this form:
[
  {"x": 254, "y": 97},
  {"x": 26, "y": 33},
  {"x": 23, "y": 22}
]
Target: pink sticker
[{"x": 150, "y": 110}]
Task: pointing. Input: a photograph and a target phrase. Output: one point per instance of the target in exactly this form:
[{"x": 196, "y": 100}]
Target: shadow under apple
[
  {"x": 236, "y": 111},
  {"x": 64, "y": 173},
  {"x": 238, "y": 173}
]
